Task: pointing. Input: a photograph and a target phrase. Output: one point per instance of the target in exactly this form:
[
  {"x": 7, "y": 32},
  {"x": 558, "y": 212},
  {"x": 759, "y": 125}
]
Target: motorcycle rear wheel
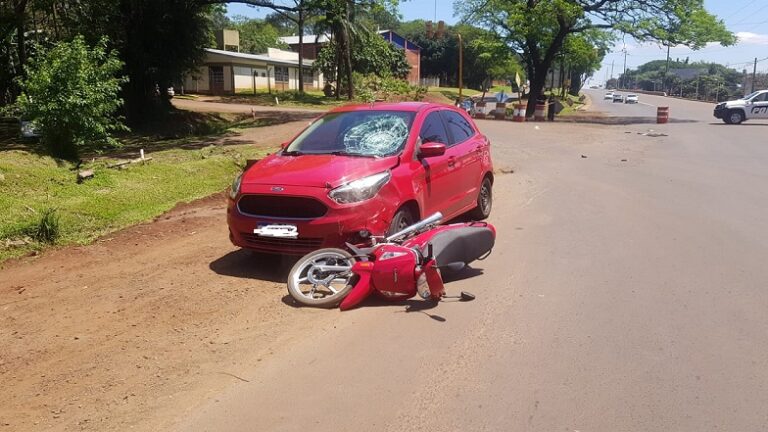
[{"x": 310, "y": 286}]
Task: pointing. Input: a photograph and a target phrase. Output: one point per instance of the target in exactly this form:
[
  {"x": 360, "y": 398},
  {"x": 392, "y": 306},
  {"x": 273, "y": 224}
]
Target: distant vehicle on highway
[
  {"x": 608, "y": 96},
  {"x": 618, "y": 98},
  {"x": 751, "y": 106},
  {"x": 631, "y": 98}
]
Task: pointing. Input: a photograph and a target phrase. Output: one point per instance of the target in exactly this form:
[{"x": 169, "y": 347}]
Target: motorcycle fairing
[{"x": 362, "y": 289}]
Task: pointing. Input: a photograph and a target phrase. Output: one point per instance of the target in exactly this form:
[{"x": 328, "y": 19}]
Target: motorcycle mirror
[{"x": 465, "y": 296}]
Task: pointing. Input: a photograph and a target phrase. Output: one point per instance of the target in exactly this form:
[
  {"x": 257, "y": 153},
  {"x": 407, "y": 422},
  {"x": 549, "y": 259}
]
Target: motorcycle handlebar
[{"x": 435, "y": 218}]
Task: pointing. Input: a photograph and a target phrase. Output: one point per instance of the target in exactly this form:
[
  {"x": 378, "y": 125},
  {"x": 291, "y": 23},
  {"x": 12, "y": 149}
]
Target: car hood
[
  {"x": 737, "y": 102},
  {"x": 315, "y": 170}
]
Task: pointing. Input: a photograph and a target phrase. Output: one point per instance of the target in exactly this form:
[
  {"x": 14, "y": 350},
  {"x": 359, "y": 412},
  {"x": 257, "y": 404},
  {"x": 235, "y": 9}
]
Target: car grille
[
  {"x": 298, "y": 246},
  {"x": 281, "y": 206}
]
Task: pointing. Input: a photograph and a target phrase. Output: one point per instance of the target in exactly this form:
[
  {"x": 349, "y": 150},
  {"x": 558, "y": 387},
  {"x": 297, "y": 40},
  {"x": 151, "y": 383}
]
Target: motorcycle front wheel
[{"x": 322, "y": 278}]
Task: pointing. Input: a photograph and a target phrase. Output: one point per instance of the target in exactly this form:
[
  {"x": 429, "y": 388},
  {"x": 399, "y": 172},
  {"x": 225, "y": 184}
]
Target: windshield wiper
[
  {"x": 346, "y": 153},
  {"x": 291, "y": 153}
]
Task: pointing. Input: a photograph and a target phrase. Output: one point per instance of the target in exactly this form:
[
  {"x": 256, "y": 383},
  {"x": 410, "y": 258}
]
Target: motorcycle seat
[{"x": 461, "y": 245}]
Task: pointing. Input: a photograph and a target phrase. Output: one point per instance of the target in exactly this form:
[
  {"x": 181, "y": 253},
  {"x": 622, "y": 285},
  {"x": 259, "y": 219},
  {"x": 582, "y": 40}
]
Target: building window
[
  {"x": 309, "y": 77},
  {"x": 281, "y": 73}
]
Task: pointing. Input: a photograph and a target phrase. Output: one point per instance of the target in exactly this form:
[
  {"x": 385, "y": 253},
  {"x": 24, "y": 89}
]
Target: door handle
[{"x": 451, "y": 162}]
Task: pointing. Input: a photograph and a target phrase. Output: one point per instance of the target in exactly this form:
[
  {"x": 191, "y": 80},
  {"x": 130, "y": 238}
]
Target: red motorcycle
[{"x": 397, "y": 267}]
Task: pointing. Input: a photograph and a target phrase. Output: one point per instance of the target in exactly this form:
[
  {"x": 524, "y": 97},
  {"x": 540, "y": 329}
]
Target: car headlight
[
  {"x": 235, "y": 189},
  {"x": 360, "y": 190}
]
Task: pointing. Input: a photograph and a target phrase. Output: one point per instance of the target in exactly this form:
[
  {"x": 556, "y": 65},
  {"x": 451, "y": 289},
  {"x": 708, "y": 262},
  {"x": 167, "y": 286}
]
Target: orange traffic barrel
[
  {"x": 518, "y": 114},
  {"x": 501, "y": 111},
  {"x": 541, "y": 112},
  {"x": 662, "y": 114},
  {"x": 480, "y": 110}
]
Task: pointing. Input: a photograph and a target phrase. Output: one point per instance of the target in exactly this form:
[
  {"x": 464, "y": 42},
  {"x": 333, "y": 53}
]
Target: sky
[{"x": 748, "y": 19}]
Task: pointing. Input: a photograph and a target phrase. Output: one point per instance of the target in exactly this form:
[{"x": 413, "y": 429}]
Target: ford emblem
[{"x": 277, "y": 189}]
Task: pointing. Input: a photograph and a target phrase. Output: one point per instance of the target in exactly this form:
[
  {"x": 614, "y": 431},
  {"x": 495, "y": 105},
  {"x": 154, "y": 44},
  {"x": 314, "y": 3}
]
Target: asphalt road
[
  {"x": 680, "y": 110},
  {"x": 626, "y": 293}
]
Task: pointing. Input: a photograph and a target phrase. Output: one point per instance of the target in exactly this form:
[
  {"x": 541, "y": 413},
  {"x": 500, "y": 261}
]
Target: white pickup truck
[{"x": 751, "y": 106}]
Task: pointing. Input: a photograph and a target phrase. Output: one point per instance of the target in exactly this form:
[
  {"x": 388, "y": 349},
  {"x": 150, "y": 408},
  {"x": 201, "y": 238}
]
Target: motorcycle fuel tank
[{"x": 394, "y": 271}]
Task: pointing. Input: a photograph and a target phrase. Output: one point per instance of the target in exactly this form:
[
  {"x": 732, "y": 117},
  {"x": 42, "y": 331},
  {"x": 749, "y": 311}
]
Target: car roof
[{"x": 389, "y": 106}]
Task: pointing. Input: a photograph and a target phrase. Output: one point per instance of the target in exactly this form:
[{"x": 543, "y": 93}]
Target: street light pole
[
  {"x": 624, "y": 75},
  {"x": 461, "y": 64}
]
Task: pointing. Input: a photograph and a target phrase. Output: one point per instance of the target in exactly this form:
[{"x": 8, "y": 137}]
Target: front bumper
[
  {"x": 720, "y": 111},
  {"x": 340, "y": 224}
]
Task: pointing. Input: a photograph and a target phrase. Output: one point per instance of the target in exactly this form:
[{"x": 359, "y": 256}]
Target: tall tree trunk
[
  {"x": 348, "y": 51},
  {"x": 300, "y": 23},
  {"x": 21, "y": 40}
]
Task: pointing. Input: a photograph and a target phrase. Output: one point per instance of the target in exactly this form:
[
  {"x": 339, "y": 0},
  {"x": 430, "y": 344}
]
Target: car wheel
[
  {"x": 402, "y": 219},
  {"x": 735, "y": 117},
  {"x": 484, "y": 201}
]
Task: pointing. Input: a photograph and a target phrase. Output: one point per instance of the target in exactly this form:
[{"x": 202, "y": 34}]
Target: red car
[{"x": 362, "y": 170}]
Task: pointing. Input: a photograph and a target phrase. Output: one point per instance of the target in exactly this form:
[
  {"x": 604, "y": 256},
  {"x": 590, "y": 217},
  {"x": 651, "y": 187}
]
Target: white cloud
[{"x": 752, "y": 38}]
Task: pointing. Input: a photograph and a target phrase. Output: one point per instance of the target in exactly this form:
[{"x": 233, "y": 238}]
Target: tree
[
  {"x": 486, "y": 56},
  {"x": 71, "y": 95},
  {"x": 538, "y": 29},
  {"x": 702, "y": 79},
  {"x": 582, "y": 55},
  {"x": 256, "y": 35},
  {"x": 371, "y": 54}
]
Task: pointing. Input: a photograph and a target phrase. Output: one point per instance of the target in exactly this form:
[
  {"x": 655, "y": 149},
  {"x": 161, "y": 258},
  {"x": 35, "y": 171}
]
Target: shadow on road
[
  {"x": 741, "y": 124},
  {"x": 246, "y": 264},
  {"x": 408, "y": 306}
]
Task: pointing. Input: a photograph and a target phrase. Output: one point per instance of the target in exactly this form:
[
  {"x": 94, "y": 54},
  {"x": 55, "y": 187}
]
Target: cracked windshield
[{"x": 366, "y": 133}]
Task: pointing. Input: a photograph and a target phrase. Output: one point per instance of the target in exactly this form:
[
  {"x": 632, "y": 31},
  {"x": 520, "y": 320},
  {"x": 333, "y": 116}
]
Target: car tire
[
  {"x": 735, "y": 117},
  {"x": 484, "y": 201},
  {"x": 402, "y": 218}
]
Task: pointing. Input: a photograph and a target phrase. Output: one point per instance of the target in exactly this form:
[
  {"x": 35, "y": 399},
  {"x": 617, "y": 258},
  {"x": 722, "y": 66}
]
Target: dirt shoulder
[
  {"x": 135, "y": 329},
  {"x": 137, "y": 326}
]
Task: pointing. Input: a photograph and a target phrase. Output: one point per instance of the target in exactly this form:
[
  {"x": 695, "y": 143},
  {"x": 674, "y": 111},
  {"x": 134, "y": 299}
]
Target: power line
[
  {"x": 739, "y": 10},
  {"x": 750, "y": 15}
]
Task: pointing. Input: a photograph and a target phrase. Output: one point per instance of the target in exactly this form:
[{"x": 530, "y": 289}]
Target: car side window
[
  {"x": 761, "y": 98},
  {"x": 433, "y": 129},
  {"x": 459, "y": 128}
]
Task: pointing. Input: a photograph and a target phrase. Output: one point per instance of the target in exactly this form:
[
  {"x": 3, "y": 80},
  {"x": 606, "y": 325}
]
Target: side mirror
[{"x": 431, "y": 149}]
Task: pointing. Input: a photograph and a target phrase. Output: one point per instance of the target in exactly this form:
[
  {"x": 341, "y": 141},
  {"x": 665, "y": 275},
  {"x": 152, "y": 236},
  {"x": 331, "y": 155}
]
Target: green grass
[
  {"x": 452, "y": 92},
  {"x": 576, "y": 104},
  {"x": 309, "y": 99},
  {"x": 30, "y": 184}
]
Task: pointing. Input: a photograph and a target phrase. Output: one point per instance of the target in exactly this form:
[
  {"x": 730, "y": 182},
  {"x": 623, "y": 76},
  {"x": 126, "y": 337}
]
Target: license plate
[{"x": 277, "y": 230}]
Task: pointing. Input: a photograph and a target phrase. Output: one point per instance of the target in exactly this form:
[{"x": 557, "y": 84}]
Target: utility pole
[
  {"x": 698, "y": 79},
  {"x": 611, "y": 69},
  {"x": 624, "y": 75},
  {"x": 666, "y": 73},
  {"x": 754, "y": 75},
  {"x": 461, "y": 62}
]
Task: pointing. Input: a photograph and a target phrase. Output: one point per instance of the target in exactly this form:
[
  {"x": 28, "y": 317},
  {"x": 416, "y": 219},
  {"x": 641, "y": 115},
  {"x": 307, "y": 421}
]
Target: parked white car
[
  {"x": 631, "y": 98},
  {"x": 608, "y": 96},
  {"x": 618, "y": 98}
]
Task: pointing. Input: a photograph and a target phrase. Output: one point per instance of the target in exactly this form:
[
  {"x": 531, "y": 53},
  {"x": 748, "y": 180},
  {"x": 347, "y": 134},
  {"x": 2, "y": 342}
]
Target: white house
[{"x": 227, "y": 72}]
